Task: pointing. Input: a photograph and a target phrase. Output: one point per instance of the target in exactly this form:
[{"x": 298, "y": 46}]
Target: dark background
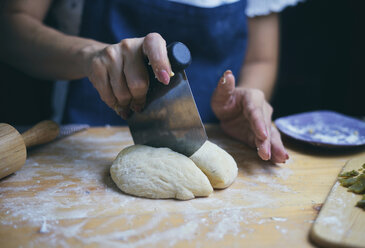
[
  {"x": 322, "y": 58},
  {"x": 321, "y": 66}
]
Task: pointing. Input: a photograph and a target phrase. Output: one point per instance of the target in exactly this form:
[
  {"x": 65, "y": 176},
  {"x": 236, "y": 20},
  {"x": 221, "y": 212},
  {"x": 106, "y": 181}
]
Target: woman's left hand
[{"x": 245, "y": 115}]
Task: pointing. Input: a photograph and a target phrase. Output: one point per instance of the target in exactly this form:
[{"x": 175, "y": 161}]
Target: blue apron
[{"x": 216, "y": 37}]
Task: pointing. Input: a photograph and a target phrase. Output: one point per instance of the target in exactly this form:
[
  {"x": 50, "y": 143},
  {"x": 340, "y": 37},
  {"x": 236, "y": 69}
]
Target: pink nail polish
[
  {"x": 123, "y": 115},
  {"x": 163, "y": 76},
  {"x": 137, "y": 108},
  {"x": 224, "y": 80}
]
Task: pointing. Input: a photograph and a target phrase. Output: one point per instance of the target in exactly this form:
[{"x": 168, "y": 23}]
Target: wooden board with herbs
[{"x": 341, "y": 221}]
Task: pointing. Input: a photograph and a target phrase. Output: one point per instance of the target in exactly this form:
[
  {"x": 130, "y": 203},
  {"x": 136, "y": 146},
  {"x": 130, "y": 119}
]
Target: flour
[
  {"x": 44, "y": 227},
  {"x": 321, "y": 131},
  {"x": 78, "y": 185},
  {"x": 279, "y": 219},
  {"x": 280, "y": 229},
  {"x": 271, "y": 219},
  {"x": 272, "y": 185},
  {"x": 334, "y": 219},
  {"x": 270, "y": 175},
  {"x": 229, "y": 221},
  {"x": 343, "y": 136}
]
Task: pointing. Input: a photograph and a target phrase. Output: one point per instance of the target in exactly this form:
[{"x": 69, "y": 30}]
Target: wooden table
[{"x": 64, "y": 197}]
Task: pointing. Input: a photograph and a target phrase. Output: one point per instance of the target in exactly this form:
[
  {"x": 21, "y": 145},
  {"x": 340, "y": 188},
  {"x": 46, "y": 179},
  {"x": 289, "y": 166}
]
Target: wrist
[{"x": 87, "y": 55}]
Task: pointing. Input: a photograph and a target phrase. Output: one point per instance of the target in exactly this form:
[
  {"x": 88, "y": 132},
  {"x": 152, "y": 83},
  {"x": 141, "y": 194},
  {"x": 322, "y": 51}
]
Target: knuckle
[
  {"x": 246, "y": 101},
  {"x": 153, "y": 37},
  {"x": 248, "y": 109},
  {"x": 151, "y": 40},
  {"x": 259, "y": 93},
  {"x": 127, "y": 45},
  {"x": 138, "y": 87},
  {"x": 252, "y": 113},
  {"x": 123, "y": 98},
  {"x": 111, "y": 54}
]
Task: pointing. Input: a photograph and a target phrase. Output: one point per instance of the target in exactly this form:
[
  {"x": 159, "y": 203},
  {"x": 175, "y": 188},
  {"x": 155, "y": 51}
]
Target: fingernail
[
  {"x": 116, "y": 109},
  {"x": 163, "y": 76},
  {"x": 227, "y": 72},
  {"x": 224, "y": 80},
  {"x": 262, "y": 147},
  {"x": 172, "y": 74},
  {"x": 137, "y": 108},
  {"x": 287, "y": 156},
  {"x": 123, "y": 112}
]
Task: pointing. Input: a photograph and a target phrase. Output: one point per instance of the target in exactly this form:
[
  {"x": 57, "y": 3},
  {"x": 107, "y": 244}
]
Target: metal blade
[
  {"x": 66, "y": 130},
  {"x": 170, "y": 118}
]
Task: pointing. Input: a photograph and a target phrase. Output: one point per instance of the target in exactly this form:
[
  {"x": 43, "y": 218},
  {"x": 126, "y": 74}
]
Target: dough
[
  {"x": 158, "y": 173},
  {"x": 217, "y": 164}
]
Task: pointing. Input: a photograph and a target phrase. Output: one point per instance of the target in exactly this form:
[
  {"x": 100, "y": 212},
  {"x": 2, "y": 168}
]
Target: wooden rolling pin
[{"x": 13, "y": 152}]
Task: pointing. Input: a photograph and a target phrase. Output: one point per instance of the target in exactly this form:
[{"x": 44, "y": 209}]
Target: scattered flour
[
  {"x": 280, "y": 229},
  {"x": 62, "y": 190},
  {"x": 335, "y": 207},
  {"x": 279, "y": 219},
  {"x": 322, "y": 131},
  {"x": 271, "y": 219},
  {"x": 229, "y": 221},
  {"x": 44, "y": 227}
]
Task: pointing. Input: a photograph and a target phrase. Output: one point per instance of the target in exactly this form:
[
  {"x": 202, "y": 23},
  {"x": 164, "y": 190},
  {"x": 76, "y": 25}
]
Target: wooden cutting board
[
  {"x": 340, "y": 223},
  {"x": 64, "y": 197}
]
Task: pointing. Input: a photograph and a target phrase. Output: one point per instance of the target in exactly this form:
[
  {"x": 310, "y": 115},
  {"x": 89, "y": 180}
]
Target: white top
[
  {"x": 68, "y": 12},
  {"x": 265, "y": 7},
  {"x": 205, "y": 3},
  {"x": 254, "y": 7}
]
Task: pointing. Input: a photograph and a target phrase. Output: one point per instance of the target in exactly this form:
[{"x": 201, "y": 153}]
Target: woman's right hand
[{"x": 119, "y": 72}]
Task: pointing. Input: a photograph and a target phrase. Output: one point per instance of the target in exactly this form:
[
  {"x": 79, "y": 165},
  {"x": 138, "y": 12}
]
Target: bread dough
[
  {"x": 217, "y": 164},
  {"x": 158, "y": 173},
  {"x": 162, "y": 173}
]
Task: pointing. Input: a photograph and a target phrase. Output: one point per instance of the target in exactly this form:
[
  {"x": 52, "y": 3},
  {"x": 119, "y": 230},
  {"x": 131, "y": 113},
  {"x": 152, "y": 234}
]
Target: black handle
[{"x": 179, "y": 56}]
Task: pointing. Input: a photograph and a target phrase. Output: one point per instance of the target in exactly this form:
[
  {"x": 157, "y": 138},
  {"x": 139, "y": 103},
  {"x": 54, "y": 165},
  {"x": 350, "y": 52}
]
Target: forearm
[
  {"x": 41, "y": 51},
  {"x": 261, "y": 61},
  {"x": 259, "y": 75}
]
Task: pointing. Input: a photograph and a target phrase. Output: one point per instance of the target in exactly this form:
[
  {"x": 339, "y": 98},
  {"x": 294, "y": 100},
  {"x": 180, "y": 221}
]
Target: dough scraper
[{"x": 170, "y": 117}]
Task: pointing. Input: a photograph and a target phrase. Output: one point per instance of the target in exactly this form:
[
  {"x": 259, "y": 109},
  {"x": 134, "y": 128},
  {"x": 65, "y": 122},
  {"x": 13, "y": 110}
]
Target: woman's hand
[
  {"x": 120, "y": 75},
  {"x": 245, "y": 115}
]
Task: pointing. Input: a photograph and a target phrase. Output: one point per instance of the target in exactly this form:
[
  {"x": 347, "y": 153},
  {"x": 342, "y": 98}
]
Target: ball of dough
[
  {"x": 217, "y": 164},
  {"x": 158, "y": 173}
]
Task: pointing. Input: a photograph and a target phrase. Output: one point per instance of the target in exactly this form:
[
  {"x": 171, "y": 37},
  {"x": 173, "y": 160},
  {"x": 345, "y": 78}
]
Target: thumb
[{"x": 223, "y": 93}]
